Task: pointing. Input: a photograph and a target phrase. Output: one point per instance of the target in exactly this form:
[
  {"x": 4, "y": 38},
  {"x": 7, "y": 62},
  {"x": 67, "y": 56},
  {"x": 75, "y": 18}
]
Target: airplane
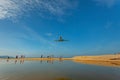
[{"x": 60, "y": 39}]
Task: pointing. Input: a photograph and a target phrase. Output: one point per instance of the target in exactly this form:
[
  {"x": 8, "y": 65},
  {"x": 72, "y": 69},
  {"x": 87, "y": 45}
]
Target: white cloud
[
  {"x": 15, "y": 8},
  {"x": 108, "y": 3},
  {"x": 8, "y": 9}
]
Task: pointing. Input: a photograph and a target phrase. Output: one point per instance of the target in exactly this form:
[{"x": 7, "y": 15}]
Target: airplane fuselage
[{"x": 61, "y": 39}]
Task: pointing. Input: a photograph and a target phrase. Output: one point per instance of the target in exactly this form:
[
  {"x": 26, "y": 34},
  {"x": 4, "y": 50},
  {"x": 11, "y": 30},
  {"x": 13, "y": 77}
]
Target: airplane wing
[
  {"x": 65, "y": 40},
  {"x": 61, "y": 40}
]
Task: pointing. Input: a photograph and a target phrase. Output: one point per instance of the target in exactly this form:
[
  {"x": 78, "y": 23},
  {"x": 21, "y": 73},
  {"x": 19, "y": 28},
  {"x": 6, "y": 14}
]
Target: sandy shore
[
  {"x": 99, "y": 57},
  {"x": 101, "y": 60}
]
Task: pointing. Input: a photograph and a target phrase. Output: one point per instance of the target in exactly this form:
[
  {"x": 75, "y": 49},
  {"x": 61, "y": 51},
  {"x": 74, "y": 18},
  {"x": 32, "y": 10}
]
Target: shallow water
[{"x": 55, "y": 70}]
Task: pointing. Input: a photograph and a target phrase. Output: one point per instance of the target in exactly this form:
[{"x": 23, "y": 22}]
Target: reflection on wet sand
[
  {"x": 15, "y": 61},
  {"x": 7, "y": 60},
  {"x": 50, "y": 61},
  {"x": 21, "y": 61},
  {"x": 100, "y": 63}
]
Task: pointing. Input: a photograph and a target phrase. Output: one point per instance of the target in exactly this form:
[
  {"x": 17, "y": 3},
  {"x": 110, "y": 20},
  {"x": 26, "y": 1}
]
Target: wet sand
[{"x": 100, "y": 63}]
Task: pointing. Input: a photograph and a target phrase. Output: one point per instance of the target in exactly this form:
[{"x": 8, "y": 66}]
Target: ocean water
[{"x": 55, "y": 70}]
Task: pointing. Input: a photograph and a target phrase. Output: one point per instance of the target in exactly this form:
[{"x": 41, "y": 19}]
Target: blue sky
[{"x": 30, "y": 27}]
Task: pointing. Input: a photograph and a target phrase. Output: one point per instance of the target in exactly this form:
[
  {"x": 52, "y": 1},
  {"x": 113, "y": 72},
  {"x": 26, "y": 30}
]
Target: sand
[
  {"x": 100, "y": 60},
  {"x": 98, "y": 57}
]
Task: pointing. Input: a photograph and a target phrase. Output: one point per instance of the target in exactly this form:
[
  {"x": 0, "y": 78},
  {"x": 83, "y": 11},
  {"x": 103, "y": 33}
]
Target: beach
[
  {"x": 100, "y": 60},
  {"x": 109, "y": 57}
]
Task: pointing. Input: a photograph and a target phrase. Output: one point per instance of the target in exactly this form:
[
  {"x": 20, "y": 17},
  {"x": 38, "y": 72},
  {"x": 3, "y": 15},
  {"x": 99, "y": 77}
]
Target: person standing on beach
[
  {"x": 24, "y": 56},
  {"x": 21, "y": 56},
  {"x": 8, "y": 57},
  {"x": 16, "y": 56},
  {"x": 41, "y": 56}
]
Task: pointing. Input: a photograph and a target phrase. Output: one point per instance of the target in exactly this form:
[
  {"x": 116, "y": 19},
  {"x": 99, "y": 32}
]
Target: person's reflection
[
  {"x": 60, "y": 60},
  {"x": 21, "y": 61},
  {"x": 15, "y": 61},
  {"x": 41, "y": 61},
  {"x": 47, "y": 61},
  {"x": 50, "y": 61},
  {"x": 8, "y": 59}
]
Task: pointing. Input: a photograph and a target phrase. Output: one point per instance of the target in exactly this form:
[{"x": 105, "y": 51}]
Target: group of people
[
  {"x": 52, "y": 56},
  {"x": 22, "y": 56},
  {"x": 16, "y": 59}
]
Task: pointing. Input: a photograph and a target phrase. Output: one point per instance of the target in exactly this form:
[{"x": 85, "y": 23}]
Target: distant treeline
[{"x": 6, "y": 57}]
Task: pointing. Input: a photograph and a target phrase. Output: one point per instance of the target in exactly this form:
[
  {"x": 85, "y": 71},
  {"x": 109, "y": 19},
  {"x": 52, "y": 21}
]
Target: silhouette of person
[
  {"x": 16, "y": 56},
  {"x": 8, "y": 57},
  {"x": 41, "y": 56},
  {"x": 21, "y": 56}
]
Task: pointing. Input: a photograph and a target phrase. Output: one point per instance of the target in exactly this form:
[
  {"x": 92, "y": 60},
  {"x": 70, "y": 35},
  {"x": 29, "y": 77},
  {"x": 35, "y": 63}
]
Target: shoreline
[
  {"x": 77, "y": 58},
  {"x": 100, "y": 60},
  {"x": 32, "y": 59}
]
